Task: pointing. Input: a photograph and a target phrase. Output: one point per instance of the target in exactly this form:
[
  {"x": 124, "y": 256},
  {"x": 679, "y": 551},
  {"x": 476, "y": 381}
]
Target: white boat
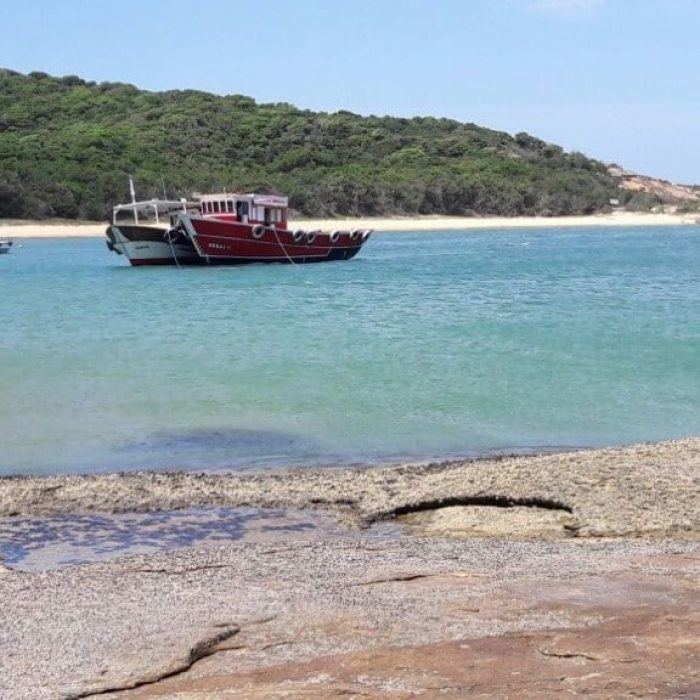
[
  {"x": 5, "y": 245},
  {"x": 139, "y": 230}
]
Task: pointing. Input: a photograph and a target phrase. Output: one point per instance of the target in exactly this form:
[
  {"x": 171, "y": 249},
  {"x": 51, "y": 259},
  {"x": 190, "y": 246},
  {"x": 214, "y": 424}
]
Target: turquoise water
[{"x": 431, "y": 344}]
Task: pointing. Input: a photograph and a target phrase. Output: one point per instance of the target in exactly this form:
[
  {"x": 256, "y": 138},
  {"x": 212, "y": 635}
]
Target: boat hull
[
  {"x": 233, "y": 243},
  {"x": 146, "y": 245}
]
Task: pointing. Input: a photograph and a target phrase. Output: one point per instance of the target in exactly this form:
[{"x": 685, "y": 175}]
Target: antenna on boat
[
  {"x": 133, "y": 198},
  {"x": 162, "y": 179}
]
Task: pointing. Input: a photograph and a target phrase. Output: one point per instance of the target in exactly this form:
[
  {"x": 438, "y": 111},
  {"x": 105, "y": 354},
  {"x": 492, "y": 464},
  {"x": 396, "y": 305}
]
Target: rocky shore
[
  {"x": 575, "y": 573},
  {"x": 640, "y": 490}
]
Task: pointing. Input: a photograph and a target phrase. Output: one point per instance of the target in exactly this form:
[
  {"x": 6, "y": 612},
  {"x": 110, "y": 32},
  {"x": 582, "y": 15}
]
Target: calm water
[{"x": 425, "y": 345}]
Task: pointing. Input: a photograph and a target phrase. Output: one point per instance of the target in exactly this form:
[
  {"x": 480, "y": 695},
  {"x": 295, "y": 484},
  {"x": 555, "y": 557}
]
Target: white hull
[{"x": 149, "y": 252}]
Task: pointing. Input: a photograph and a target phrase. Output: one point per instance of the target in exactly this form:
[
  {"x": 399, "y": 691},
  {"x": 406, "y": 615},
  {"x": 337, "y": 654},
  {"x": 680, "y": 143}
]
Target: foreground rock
[
  {"x": 436, "y": 616},
  {"x": 540, "y": 608},
  {"x": 633, "y": 491}
]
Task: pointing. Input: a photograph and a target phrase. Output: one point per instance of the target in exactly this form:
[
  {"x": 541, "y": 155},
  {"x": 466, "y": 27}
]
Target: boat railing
[{"x": 152, "y": 211}]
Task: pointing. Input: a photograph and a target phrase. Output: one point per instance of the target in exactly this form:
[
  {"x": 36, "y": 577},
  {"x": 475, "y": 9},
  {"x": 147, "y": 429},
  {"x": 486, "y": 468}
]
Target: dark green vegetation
[{"x": 67, "y": 146}]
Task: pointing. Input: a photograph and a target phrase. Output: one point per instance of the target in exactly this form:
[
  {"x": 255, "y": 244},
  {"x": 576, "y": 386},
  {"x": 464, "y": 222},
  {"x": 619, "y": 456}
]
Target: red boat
[{"x": 228, "y": 229}]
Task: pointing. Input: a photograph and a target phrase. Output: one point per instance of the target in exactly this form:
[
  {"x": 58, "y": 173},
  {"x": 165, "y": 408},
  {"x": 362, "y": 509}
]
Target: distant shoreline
[{"x": 88, "y": 229}]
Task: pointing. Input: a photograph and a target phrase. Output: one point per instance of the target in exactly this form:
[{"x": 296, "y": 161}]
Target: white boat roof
[
  {"x": 261, "y": 200},
  {"x": 159, "y": 204}
]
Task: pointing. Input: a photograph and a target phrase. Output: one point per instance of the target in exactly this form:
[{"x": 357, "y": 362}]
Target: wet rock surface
[
  {"x": 516, "y": 592},
  {"x": 35, "y": 543}
]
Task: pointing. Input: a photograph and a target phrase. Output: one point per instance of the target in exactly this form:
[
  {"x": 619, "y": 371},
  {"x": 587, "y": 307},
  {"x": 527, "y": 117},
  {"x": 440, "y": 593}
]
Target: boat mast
[{"x": 133, "y": 198}]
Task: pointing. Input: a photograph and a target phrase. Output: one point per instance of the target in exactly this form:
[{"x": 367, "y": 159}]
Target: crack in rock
[
  {"x": 180, "y": 572},
  {"x": 396, "y": 578},
  {"x": 568, "y": 655},
  {"x": 283, "y": 643},
  {"x": 588, "y": 657},
  {"x": 495, "y": 501},
  {"x": 399, "y": 578},
  {"x": 205, "y": 647}
]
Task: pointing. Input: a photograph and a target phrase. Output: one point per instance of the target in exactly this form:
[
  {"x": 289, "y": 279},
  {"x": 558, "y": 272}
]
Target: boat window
[
  {"x": 267, "y": 220},
  {"x": 229, "y": 205},
  {"x": 241, "y": 210},
  {"x": 124, "y": 216},
  {"x": 216, "y": 207},
  {"x": 205, "y": 207}
]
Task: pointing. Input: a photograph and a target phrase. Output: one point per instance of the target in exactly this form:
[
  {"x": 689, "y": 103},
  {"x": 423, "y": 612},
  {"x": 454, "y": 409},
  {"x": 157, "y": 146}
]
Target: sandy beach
[
  {"x": 87, "y": 229},
  {"x": 528, "y": 576}
]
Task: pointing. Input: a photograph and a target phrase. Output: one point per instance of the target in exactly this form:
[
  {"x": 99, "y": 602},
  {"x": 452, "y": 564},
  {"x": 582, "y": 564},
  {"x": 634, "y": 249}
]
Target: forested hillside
[{"x": 67, "y": 147}]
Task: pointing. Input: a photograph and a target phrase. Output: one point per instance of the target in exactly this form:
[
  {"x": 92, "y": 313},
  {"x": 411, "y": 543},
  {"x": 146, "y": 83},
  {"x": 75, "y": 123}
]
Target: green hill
[{"x": 67, "y": 146}]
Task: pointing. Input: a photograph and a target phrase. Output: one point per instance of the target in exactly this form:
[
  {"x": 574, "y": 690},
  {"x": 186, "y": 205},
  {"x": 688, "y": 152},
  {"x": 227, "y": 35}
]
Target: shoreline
[
  {"x": 90, "y": 229},
  {"x": 583, "y": 490}
]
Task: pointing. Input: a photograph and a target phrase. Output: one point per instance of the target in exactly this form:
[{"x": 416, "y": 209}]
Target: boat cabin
[
  {"x": 266, "y": 209},
  {"x": 152, "y": 212}
]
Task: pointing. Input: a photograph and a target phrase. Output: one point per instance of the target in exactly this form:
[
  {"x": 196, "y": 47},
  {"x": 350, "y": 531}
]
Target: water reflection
[{"x": 34, "y": 543}]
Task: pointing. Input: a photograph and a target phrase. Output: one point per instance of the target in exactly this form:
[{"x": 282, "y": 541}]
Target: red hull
[{"x": 231, "y": 242}]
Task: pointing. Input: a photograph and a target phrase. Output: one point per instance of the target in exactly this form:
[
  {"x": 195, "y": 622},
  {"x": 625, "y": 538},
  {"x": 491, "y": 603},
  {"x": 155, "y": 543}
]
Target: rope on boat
[
  {"x": 284, "y": 250},
  {"x": 172, "y": 249}
]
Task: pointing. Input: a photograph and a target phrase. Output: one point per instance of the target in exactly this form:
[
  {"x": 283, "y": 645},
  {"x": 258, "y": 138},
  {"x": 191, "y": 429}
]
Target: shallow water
[
  {"x": 41, "y": 543},
  {"x": 430, "y": 344}
]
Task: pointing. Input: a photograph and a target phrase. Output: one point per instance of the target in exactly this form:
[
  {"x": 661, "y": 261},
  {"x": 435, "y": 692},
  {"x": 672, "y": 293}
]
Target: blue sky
[{"x": 616, "y": 79}]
